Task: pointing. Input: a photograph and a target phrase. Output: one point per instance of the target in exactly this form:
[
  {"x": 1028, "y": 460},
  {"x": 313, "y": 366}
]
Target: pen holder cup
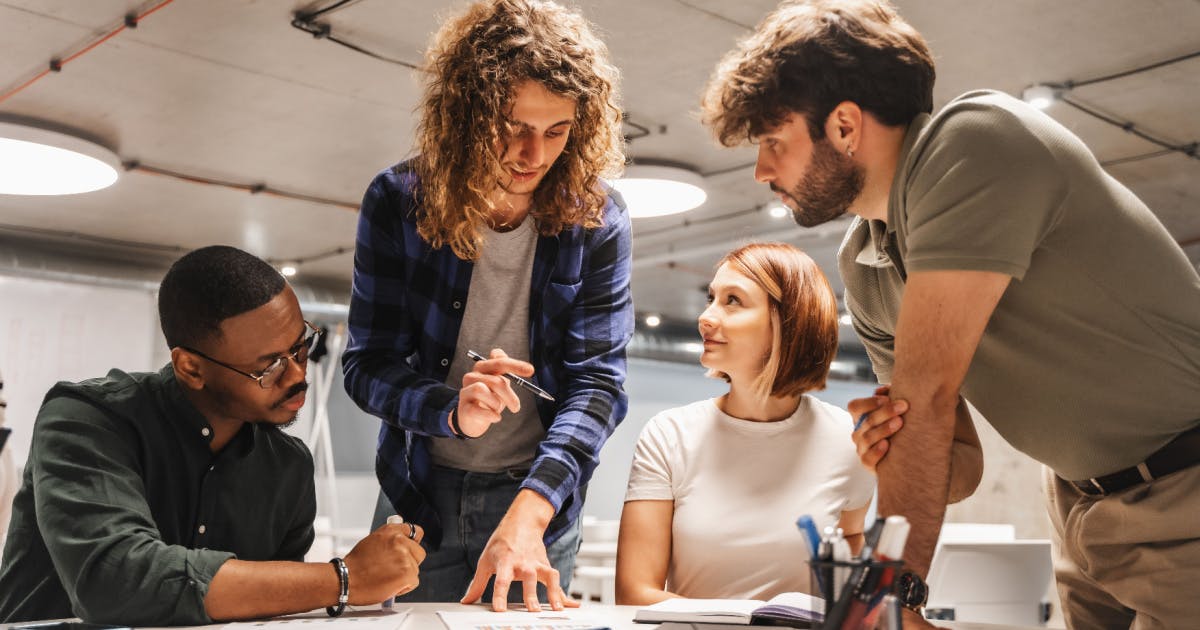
[{"x": 853, "y": 591}]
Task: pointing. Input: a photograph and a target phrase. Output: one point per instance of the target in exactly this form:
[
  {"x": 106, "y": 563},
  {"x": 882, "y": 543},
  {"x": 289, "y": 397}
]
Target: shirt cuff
[
  {"x": 201, "y": 566},
  {"x": 552, "y": 479}
]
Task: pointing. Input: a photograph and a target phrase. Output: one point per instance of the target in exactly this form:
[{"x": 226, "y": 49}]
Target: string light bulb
[{"x": 1040, "y": 96}]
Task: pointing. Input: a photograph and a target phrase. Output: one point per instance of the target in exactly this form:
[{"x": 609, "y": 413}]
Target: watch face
[{"x": 913, "y": 591}]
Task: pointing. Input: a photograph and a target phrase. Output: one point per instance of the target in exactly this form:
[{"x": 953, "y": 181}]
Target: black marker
[{"x": 516, "y": 380}]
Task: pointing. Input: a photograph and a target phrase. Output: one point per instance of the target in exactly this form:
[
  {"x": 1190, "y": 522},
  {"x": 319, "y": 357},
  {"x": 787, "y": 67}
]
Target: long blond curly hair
[{"x": 471, "y": 69}]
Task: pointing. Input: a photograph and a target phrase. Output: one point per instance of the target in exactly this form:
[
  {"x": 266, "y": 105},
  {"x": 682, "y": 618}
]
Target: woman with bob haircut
[{"x": 716, "y": 486}]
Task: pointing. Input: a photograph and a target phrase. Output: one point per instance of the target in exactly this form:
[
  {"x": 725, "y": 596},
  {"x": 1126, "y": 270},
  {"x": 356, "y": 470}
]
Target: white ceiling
[{"x": 229, "y": 90}]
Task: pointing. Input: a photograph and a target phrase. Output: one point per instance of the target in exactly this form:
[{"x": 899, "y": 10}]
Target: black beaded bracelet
[
  {"x": 457, "y": 430},
  {"x": 343, "y": 573}
]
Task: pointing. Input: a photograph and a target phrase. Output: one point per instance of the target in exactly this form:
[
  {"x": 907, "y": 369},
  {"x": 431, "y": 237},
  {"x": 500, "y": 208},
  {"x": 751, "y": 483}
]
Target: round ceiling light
[
  {"x": 41, "y": 162},
  {"x": 655, "y": 190}
]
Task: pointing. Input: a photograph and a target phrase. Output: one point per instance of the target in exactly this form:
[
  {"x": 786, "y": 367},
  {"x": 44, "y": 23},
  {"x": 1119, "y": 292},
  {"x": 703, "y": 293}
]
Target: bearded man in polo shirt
[
  {"x": 991, "y": 259},
  {"x": 498, "y": 237},
  {"x": 172, "y": 497}
]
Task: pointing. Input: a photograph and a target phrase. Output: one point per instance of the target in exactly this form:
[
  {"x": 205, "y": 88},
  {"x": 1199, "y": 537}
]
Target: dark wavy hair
[
  {"x": 471, "y": 70},
  {"x": 209, "y": 285},
  {"x": 807, "y": 57}
]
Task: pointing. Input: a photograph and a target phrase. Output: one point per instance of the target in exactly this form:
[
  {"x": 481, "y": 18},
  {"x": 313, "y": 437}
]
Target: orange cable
[
  {"x": 84, "y": 50},
  {"x": 254, "y": 189}
]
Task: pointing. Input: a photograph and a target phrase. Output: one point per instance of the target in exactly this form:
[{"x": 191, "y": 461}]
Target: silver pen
[{"x": 516, "y": 380}]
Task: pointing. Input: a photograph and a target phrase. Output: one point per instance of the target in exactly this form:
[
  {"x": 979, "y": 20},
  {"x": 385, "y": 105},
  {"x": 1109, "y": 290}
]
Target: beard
[{"x": 832, "y": 183}]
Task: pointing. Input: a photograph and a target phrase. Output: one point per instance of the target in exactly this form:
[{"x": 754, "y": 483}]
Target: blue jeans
[{"x": 470, "y": 506}]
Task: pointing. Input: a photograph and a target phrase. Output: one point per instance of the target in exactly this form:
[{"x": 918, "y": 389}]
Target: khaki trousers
[{"x": 1130, "y": 559}]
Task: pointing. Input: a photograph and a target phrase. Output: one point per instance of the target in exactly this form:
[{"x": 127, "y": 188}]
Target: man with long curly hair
[
  {"x": 992, "y": 259},
  {"x": 498, "y": 235}
]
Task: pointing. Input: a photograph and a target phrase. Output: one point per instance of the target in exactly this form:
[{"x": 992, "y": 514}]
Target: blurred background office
[{"x": 259, "y": 124}]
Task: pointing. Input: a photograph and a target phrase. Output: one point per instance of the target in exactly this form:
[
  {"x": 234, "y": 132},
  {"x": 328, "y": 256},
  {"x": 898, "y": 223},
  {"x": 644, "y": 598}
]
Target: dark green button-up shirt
[{"x": 124, "y": 514}]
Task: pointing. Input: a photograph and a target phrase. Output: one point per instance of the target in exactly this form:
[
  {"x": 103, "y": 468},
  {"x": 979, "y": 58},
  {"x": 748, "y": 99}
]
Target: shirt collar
[
  {"x": 873, "y": 253},
  {"x": 195, "y": 423}
]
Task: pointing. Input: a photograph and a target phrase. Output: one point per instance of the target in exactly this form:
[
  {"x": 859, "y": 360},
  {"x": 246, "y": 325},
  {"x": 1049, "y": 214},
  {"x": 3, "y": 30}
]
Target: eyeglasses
[{"x": 268, "y": 376}]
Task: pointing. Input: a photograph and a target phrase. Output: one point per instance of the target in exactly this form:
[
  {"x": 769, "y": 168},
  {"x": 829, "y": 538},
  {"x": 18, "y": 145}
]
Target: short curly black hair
[{"x": 209, "y": 285}]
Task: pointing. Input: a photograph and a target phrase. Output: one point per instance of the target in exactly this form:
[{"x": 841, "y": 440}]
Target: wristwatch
[{"x": 912, "y": 591}]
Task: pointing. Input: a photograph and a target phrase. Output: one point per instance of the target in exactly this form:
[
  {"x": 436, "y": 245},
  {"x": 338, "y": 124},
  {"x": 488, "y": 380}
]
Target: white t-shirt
[{"x": 738, "y": 488}]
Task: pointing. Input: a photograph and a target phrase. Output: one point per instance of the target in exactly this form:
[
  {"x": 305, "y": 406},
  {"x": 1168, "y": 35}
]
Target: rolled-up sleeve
[{"x": 98, "y": 528}]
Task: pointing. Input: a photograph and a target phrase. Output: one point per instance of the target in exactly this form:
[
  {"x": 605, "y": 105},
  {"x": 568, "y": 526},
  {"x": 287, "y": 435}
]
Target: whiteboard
[{"x": 52, "y": 331}]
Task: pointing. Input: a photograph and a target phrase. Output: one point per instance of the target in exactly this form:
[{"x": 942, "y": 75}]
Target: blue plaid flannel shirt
[{"x": 406, "y": 307}]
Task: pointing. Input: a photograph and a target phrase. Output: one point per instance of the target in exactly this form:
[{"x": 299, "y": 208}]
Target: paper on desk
[
  {"x": 515, "y": 620},
  {"x": 318, "y": 620}
]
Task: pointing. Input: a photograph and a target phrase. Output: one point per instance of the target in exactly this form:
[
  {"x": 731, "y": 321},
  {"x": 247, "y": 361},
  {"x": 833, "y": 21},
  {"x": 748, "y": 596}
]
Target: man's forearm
[
  {"x": 250, "y": 590},
  {"x": 914, "y": 477}
]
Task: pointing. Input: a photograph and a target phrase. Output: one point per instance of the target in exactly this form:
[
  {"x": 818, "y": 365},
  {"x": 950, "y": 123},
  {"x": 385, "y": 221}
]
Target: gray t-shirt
[
  {"x": 497, "y": 316},
  {"x": 1091, "y": 360}
]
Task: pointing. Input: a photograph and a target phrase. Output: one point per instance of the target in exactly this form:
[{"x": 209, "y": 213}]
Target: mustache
[
  {"x": 780, "y": 191},
  {"x": 298, "y": 388}
]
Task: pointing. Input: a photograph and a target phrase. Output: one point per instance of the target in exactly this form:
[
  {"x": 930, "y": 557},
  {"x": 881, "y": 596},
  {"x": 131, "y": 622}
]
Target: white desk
[{"x": 424, "y": 617}]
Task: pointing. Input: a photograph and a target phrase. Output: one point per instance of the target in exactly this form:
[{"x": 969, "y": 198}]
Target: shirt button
[
  {"x": 445, "y": 362},
  {"x": 202, "y": 529},
  {"x": 205, "y": 431},
  {"x": 457, "y": 304}
]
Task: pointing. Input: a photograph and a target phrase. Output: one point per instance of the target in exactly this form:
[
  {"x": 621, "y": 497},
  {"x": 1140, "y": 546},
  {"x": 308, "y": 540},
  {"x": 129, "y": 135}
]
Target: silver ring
[{"x": 412, "y": 531}]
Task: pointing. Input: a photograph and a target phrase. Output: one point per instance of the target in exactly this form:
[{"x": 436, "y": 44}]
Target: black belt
[{"x": 1181, "y": 452}]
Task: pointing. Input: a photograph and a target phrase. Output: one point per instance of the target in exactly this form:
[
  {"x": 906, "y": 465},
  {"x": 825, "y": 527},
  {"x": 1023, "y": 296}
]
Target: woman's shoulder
[
  {"x": 695, "y": 411},
  {"x": 824, "y": 411},
  {"x": 685, "y": 419}
]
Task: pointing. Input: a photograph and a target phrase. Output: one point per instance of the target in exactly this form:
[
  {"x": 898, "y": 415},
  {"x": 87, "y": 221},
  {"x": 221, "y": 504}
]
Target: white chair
[
  {"x": 977, "y": 532},
  {"x": 595, "y": 576},
  {"x": 982, "y": 573}
]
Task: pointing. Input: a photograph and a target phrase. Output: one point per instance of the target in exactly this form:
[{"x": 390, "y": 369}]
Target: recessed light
[
  {"x": 655, "y": 191},
  {"x": 37, "y": 161}
]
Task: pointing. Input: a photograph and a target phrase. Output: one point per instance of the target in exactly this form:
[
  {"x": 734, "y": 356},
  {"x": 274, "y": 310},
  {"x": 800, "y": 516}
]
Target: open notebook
[{"x": 796, "y": 610}]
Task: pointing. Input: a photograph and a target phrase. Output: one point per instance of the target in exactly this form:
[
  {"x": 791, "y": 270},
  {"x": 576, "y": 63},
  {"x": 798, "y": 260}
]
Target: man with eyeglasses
[{"x": 173, "y": 497}]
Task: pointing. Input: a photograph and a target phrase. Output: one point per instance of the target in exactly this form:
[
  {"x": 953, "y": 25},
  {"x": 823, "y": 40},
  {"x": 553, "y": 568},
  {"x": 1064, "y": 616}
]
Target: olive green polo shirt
[
  {"x": 1091, "y": 359},
  {"x": 124, "y": 514}
]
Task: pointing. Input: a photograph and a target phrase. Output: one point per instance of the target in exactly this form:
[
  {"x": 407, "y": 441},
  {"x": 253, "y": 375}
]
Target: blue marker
[
  {"x": 861, "y": 420},
  {"x": 809, "y": 529}
]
